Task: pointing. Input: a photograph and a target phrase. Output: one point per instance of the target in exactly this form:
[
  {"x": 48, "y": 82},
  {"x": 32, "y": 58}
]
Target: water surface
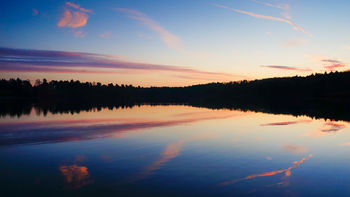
[{"x": 173, "y": 151}]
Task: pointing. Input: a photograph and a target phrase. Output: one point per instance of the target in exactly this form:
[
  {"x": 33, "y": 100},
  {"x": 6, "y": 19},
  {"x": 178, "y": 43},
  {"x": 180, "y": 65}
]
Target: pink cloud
[
  {"x": 26, "y": 60},
  {"x": 295, "y": 26},
  {"x": 287, "y": 68},
  {"x": 333, "y": 64},
  {"x": 74, "y": 18},
  {"x": 77, "y": 6}
]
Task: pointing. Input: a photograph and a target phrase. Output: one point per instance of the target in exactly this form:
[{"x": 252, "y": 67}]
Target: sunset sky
[{"x": 172, "y": 43}]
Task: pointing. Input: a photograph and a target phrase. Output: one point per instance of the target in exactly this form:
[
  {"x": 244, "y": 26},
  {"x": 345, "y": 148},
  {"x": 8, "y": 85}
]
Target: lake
[{"x": 172, "y": 150}]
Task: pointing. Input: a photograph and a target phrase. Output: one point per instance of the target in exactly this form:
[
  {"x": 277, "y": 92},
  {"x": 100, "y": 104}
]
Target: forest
[{"x": 315, "y": 95}]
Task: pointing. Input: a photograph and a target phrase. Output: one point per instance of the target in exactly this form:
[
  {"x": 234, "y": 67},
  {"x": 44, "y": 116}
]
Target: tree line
[{"x": 327, "y": 93}]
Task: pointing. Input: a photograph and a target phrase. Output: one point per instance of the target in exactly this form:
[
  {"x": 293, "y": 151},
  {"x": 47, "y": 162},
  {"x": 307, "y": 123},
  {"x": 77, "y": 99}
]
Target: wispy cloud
[
  {"x": 295, "y": 26},
  {"x": 171, "y": 40},
  {"x": 74, "y": 16},
  {"x": 333, "y": 64},
  {"x": 77, "y": 6},
  {"x": 287, "y": 172},
  {"x": 328, "y": 63},
  {"x": 26, "y": 60},
  {"x": 283, "y": 6},
  {"x": 287, "y": 68},
  {"x": 73, "y": 19},
  {"x": 280, "y": 5}
]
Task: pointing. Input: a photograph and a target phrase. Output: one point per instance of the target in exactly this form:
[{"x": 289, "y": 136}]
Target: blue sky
[{"x": 215, "y": 40}]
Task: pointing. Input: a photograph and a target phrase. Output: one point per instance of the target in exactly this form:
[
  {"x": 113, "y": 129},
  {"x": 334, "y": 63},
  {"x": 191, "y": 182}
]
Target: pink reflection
[
  {"x": 170, "y": 152},
  {"x": 330, "y": 127},
  {"x": 286, "y": 123},
  {"x": 287, "y": 172},
  {"x": 75, "y": 176},
  {"x": 69, "y": 130}
]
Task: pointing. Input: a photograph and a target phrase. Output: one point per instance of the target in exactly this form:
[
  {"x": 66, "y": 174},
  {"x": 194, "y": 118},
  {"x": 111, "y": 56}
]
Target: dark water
[{"x": 173, "y": 151}]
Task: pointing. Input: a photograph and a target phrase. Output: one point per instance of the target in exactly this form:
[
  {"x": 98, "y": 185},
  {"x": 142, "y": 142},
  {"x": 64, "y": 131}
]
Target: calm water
[{"x": 173, "y": 151}]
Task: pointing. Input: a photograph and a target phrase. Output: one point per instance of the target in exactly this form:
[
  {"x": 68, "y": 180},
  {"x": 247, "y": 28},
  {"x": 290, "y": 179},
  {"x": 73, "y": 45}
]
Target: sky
[{"x": 172, "y": 43}]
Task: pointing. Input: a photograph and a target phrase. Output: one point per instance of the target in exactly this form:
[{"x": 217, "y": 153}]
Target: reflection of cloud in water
[
  {"x": 68, "y": 130},
  {"x": 75, "y": 176},
  {"x": 170, "y": 152},
  {"x": 287, "y": 172},
  {"x": 286, "y": 123},
  {"x": 327, "y": 128},
  {"x": 333, "y": 127},
  {"x": 294, "y": 148}
]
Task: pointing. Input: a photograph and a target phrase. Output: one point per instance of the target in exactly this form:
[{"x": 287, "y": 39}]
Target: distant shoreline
[{"x": 318, "y": 95}]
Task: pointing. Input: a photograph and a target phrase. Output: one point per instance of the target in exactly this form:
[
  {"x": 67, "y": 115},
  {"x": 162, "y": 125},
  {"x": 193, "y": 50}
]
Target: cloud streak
[
  {"x": 287, "y": 68},
  {"x": 77, "y": 6},
  {"x": 282, "y": 6},
  {"x": 171, "y": 40},
  {"x": 27, "y": 60},
  {"x": 295, "y": 26},
  {"x": 333, "y": 64}
]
